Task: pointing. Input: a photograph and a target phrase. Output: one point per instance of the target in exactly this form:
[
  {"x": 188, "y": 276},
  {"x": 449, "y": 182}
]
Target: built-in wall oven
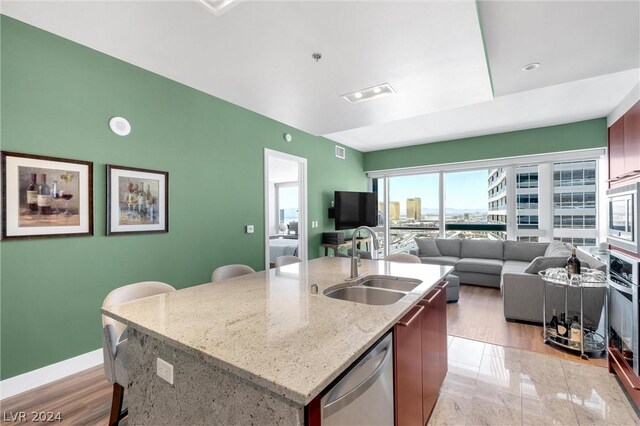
[
  {"x": 623, "y": 308},
  {"x": 624, "y": 215}
]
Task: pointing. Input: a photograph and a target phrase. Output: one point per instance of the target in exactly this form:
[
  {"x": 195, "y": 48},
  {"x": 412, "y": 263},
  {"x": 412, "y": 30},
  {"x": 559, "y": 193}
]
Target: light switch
[{"x": 249, "y": 229}]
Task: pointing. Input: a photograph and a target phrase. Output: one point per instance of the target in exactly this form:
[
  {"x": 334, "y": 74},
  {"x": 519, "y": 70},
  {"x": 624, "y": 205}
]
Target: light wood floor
[
  {"x": 479, "y": 315},
  {"x": 85, "y": 398}
]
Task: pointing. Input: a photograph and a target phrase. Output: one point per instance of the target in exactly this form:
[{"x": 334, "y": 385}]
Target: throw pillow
[
  {"x": 557, "y": 249},
  {"x": 427, "y": 247},
  {"x": 541, "y": 263}
]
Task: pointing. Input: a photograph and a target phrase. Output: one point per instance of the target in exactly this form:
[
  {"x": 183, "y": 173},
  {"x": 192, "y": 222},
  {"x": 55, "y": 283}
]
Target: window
[
  {"x": 413, "y": 210},
  {"x": 574, "y": 201},
  {"x": 287, "y": 205},
  {"x": 476, "y": 204},
  {"x": 549, "y": 200},
  {"x": 378, "y": 188}
]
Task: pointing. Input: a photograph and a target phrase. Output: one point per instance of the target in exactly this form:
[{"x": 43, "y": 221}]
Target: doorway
[{"x": 285, "y": 206}]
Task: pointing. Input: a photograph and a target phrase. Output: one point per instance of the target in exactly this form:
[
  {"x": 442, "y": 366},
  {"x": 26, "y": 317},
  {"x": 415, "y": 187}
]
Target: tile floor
[{"x": 495, "y": 385}]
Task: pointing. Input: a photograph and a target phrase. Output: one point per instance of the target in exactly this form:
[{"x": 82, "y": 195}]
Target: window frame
[{"x": 546, "y": 230}]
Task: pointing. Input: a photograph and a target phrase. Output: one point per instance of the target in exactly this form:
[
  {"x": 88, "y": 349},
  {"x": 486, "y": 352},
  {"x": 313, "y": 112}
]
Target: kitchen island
[{"x": 258, "y": 348}]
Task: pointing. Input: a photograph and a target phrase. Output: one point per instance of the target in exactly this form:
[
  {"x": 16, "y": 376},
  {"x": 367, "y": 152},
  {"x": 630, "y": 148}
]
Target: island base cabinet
[
  {"x": 201, "y": 393},
  {"x": 407, "y": 346},
  {"x": 434, "y": 348},
  {"x": 420, "y": 345}
]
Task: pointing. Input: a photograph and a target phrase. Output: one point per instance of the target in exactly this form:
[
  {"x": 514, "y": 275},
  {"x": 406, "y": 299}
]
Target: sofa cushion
[
  {"x": 427, "y": 247},
  {"x": 523, "y": 251},
  {"x": 449, "y": 247},
  {"x": 541, "y": 263},
  {"x": 440, "y": 260},
  {"x": 483, "y": 266},
  {"x": 514, "y": 267},
  {"x": 557, "y": 249},
  {"x": 482, "y": 249}
]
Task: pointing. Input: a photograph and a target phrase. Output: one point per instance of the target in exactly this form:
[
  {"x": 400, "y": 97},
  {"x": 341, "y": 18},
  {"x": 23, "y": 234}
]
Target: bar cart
[{"x": 590, "y": 340}]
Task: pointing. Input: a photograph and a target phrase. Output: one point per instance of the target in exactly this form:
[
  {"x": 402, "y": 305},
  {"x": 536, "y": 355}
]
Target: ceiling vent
[
  {"x": 340, "y": 152},
  {"x": 218, "y": 7}
]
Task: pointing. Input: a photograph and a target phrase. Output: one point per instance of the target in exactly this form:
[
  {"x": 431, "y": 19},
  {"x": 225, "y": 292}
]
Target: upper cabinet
[{"x": 624, "y": 148}]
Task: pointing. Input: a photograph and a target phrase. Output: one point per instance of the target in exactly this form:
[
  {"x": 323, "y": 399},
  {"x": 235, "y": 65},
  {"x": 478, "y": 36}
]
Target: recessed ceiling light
[
  {"x": 369, "y": 93},
  {"x": 218, "y": 7},
  {"x": 530, "y": 67}
]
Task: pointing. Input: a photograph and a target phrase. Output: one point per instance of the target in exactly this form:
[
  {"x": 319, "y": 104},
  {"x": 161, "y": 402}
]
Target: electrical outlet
[
  {"x": 165, "y": 370},
  {"x": 249, "y": 229}
]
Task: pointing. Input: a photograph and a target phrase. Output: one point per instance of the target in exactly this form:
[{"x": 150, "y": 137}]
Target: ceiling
[{"x": 449, "y": 82}]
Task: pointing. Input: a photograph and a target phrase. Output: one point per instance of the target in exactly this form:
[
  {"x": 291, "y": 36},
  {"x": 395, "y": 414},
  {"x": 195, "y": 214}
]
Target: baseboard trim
[{"x": 33, "y": 379}]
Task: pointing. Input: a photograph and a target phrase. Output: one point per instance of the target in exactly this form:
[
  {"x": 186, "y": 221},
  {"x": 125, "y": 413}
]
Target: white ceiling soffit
[
  {"x": 281, "y": 170},
  {"x": 579, "y": 100},
  {"x": 258, "y": 55},
  {"x": 572, "y": 40}
]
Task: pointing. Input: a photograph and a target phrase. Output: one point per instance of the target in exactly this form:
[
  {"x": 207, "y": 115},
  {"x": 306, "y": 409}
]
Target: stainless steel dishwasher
[{"x": 364, "y": 395}]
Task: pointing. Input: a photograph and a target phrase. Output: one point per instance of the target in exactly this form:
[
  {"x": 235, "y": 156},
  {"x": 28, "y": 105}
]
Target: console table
[{"x": 346, "y": 244}]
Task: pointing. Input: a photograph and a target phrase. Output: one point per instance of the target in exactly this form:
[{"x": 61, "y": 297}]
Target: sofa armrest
[{"x": 522, "y": 296}]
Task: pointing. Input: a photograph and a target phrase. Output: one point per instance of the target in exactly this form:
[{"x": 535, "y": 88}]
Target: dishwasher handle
[{"x": 334, "y": 406}]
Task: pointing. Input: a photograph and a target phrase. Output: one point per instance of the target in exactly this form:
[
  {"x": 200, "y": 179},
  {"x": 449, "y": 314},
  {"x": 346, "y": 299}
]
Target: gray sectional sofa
[{"x": 512, "y": 267}]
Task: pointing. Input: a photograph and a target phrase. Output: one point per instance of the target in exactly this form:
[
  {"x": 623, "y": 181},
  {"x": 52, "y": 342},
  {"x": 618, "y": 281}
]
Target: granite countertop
[{"x": 269, "y": 329}]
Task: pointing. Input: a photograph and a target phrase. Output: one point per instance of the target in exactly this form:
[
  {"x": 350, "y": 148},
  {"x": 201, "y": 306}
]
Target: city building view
[{"x": 476, "y": 205}]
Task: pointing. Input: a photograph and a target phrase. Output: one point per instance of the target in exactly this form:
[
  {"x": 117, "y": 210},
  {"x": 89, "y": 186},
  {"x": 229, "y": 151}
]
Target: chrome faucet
[{"x": 354, "y": 251}]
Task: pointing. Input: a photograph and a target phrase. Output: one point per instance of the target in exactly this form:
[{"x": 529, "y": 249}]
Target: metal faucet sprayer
[{"x": 354, "y": 254}]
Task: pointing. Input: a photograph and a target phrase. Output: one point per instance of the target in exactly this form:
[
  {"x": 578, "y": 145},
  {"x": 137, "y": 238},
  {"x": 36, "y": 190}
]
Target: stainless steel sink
[
  {"x": 366, "y": 295},
  {"x": 391, "y": 283}
]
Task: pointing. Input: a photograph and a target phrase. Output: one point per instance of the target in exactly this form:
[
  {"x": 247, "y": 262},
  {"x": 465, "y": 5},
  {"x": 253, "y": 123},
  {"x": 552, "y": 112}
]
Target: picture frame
[
  {"x": 45, "y": 196},
  {"x": 137, "y": 200}
]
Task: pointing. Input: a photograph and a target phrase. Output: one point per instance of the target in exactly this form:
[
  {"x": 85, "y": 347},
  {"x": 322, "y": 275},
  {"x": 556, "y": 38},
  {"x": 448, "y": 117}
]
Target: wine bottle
[
  {"x": 573, "y": 264},
  {"x": 553, "y": 325},
  {"x": 562, "y": 326},
  {"x": 149, "y": 196},
  {"x": 141, "y": 197},
  {"x": 32, "y": 194},
  {"x": 575, "y": 331},
  {"x": 44, "y": 196}
]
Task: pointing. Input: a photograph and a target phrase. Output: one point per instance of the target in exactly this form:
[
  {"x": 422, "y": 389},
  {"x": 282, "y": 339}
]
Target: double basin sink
[{"x": 375, "y": 290}]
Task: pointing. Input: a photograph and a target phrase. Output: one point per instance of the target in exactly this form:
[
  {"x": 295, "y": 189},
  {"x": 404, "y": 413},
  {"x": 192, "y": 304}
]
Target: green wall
[
  {"x": 564, "y": 137},
  {"x": 56, "y": 99}
]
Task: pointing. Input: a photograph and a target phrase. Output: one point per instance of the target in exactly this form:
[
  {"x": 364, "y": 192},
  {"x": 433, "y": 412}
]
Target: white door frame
[{"x": 302, "y": 202}]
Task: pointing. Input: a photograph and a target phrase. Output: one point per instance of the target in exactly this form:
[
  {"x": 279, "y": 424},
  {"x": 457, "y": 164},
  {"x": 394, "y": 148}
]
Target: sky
[{"x": 464, "y": 190}]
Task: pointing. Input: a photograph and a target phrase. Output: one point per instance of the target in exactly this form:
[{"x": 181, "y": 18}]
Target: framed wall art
[
  {"x": 137, "y": 200},
  {"x": 45, "y": 196}
]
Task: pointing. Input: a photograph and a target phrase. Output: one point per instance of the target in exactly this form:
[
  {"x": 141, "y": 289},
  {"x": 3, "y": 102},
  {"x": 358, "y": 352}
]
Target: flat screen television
[{"x": 353, "y": 209}]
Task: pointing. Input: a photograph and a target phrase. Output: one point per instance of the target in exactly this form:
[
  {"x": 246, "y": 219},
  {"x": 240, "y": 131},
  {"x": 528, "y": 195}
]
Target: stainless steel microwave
[{"x": 624, "y": 217}]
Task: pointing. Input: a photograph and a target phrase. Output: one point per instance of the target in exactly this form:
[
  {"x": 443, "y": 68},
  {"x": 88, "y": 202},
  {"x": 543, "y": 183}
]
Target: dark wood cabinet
[
  {"x": 632, "y": 139},
  {"x": 407, "y": 377},
  {"x": 616, "y": 149},
  {"x": 420, "y": 352},
  {"x": 624, "y": 148},
  {"x": 434, "y": 348}
]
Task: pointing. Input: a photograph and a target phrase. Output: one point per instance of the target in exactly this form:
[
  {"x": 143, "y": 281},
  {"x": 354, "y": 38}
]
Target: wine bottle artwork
[
  {"x": 33, "y": 200},
  {"x": 139, "y": 200},
  {"x": 47, "y": 197}
]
